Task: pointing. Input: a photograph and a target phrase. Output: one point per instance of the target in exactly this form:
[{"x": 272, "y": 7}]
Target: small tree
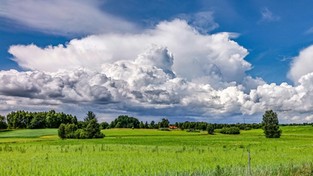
[
  {"x": 270, "y": 125},
  {"x": 210, "y": 129},
  {"x": 61, "y": 131},
  {"x": 104, "y": 125},
  {"x": 3, "y": 124},
  {"x": 164, "y": 123},
  {"x": 93, "y": 129}
]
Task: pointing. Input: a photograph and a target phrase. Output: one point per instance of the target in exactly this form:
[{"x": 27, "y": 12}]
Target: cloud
[
  {"x": 268, "y": 16},
  {"x": 309, "y": 31},
  {"x": 301, "y": 64},
  {"x": 201, "y": 21},
  {"x": 198, "y": 57},
  {"x": 60, "y": 17},
  {"x": 172, "y": 70}
]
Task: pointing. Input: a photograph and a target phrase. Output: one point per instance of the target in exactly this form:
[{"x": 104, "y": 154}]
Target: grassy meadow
[{"x": 154, "y": 152}]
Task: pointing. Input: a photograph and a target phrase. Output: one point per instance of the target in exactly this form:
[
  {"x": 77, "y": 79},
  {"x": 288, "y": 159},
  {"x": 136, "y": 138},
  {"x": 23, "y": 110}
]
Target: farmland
[{"x": 154, "y": 152}]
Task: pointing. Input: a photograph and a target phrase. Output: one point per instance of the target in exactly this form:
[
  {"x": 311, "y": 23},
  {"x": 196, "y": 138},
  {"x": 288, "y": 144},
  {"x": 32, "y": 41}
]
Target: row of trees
[
  {"x": 71, "y": 128},
  {"x": 32, "y": 120}
]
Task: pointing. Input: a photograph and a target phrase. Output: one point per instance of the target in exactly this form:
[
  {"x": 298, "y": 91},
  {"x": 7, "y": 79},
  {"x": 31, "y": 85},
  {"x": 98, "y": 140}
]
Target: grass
[
  {"x": 27, "y": 133},
  {"x": 154, "y": 152}
]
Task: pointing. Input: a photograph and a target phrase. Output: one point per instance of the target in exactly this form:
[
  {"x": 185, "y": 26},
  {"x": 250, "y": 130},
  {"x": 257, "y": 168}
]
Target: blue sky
[{"x": 266, "y": 38}]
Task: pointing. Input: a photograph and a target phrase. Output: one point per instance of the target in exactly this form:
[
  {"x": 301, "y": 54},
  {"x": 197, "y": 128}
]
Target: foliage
[
  {"x": 104, "y": 125},
  {"x": 3, "y": 124},
  {"x": 164, "y": 123},
  {"x": 25, "y": 119},
  {"x": 192, "y": 130},
  {"x": 230, "y": 130},
  {"x": 90, "y": 116},
  {"x": 270, "y": 125},
  {"x": 61, "y": 131},
  {"x": 124, "y": 121},
  {"x": 92, "y": 129},
  {"x": 210, "y": 129}
]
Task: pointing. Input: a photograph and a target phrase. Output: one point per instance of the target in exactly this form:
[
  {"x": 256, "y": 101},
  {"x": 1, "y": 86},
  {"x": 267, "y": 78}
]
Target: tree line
[
  {"x": 33, "y": 120},
  {"x": 70, "y": 127}
]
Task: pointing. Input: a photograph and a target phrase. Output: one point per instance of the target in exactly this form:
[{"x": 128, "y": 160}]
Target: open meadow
[{"x": 154, "y": 152}]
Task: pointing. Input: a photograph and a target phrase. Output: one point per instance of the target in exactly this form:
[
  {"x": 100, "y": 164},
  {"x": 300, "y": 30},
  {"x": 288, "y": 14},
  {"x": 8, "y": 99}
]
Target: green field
[{"x": 154, "y": 152}]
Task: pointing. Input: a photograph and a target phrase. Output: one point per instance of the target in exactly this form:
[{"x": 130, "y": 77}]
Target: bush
[
  {"x": 164, "y": 129},
  {"x": 210, "y": 129},
  {"x": 92, "y": 129},
  {"x": 61, "y": 131},
  {"x": 192, "y": 130},
  {"x": 230, "y": 130}
]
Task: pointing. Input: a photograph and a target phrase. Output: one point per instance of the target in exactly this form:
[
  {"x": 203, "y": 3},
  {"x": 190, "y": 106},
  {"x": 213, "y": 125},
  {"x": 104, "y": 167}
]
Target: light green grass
[
  {"x": 154, "y": 152},
  {"x": 27, "y": 133}
]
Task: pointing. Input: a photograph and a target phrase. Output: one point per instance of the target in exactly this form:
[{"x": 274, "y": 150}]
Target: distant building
[{"x": 172, "y": 127}]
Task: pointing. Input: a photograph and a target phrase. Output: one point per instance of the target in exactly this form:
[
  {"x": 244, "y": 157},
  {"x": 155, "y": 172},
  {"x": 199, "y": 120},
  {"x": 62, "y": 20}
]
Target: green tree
[
  {"x": 93, "y": 129},
  {"x": 152, "y": 124},
  {"x": 61, "y": 131},
  {"x": 164, "y": 123},
  {"x": 270, "y": 124},
  {"x": 146, "y": 125},
  {"x": 104, "y": 125},
  {"x": 3, "y": 124},
  {"x": 90, "y": 116},
  {"x": 141, "y": 125},
  {"x": 210, "y": 129}
]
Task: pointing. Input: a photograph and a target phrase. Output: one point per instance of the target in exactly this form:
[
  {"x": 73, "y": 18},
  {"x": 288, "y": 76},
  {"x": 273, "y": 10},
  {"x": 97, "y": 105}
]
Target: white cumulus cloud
[
  {"x": 209, "y": 58},
  {"x": 172, "y": 70},
  {"x": 301, "y": 64}
]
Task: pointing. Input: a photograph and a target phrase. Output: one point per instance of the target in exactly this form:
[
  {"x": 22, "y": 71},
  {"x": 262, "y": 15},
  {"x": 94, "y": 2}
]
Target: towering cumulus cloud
[
  {"x": 170, "y": 70},
  {"x": 301, "y": 64}
]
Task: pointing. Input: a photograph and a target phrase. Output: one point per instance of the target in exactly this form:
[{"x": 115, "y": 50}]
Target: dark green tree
[
  {"x": 164, "y": 123},
  {"x": 271, "y": 125},
  {"x": 146, "y": 125},
  {"x": 210, "y": 129},
  {"x": 3, "y": 124},
  {"x": 93, "y": 129},
  {"x": 152, "y": 124},
  {"x": 124, "y": 121},
  {"x": 90, "y": 116},
  {"x": 104, "y": 125},
  {"x": 61, "y": 131},
  {"x": 141, "y": 125}
]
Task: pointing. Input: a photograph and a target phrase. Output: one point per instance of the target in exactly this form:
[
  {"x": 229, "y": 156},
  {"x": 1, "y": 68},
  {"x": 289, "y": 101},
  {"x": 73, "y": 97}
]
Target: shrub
[
  {"x": 210, "y": 129},
  {"x": 61, "y": 131},
  {"x": 193, "y": 130},
  {"x": 164, "y": 129},
  {"x": 92, "y": 130},
  {"x": 230, "y": 130}
]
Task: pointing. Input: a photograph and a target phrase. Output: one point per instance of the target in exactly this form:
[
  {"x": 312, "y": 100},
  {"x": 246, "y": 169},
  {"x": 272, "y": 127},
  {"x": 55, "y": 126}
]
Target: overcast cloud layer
[{"x": 172, "y": 70}]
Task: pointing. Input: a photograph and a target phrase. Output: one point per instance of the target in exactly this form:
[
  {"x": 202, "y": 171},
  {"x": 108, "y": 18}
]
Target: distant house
[{"x": 172, "y": 127}]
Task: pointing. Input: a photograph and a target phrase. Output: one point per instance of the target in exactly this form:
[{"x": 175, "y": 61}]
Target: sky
[{"x": 197, "y": 60}]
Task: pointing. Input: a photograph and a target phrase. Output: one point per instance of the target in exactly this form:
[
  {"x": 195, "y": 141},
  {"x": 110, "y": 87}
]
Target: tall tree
[
  {"x": 61, "y": 131},
  {"x": 90, "y": 116},
  {"x": 3, "y": 124},
  {"x": 164, "y": 123},
  {"x": 210, "y": 129},
  {"x": 271, "y": 125}
]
